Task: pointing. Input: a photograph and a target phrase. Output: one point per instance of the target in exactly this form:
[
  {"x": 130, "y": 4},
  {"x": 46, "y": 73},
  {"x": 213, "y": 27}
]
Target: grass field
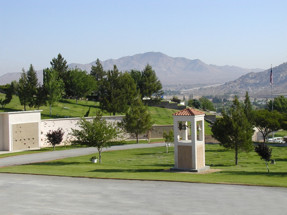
[{"x": 147, "y": 164}]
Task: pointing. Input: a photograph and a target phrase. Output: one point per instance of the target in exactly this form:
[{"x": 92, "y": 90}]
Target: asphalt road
[
  {"x": 53, "y": 155},
  {"x": 32, "y": 194}
]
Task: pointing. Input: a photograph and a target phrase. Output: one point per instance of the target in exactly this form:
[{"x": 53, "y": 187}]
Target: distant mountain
[
  {"x": 256, "y": 83},
  {"x": 8, "y": 77},
  {"x": 171, "y": 70}
]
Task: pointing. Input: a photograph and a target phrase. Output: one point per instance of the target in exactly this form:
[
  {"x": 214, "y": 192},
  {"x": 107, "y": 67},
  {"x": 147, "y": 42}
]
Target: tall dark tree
[
  {"x": 233, "y": 130},
  {"x": 60, "y": 65},
  {"x": 98, "y": 71},
  {"x": 137, "y": 120},
  {"x": 150, "y": 84},
  {"x": 137, "y": 76},
  {"x": 41, "y": 97},
  {"x": 22, "y": 89},
  {"x": 118, "y": 89},
  {"x": 32, "y": 85},
  {"x": 267, "y": 121}
]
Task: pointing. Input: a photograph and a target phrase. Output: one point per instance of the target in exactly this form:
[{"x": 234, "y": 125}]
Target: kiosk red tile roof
[{"x": 188, "y": 112}]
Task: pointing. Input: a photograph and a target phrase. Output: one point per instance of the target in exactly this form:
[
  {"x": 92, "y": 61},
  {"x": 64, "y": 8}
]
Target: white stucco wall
[{"x": 67, "y": 124}]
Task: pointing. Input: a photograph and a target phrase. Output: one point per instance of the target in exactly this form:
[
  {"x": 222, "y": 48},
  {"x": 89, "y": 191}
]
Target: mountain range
[
  {"x": 171, "y": 70},
  {"x": 256, "y": 83}
]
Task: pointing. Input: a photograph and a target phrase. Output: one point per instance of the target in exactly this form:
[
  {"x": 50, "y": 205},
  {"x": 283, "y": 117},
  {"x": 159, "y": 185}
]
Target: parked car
[{"x": 276, "y": 140}]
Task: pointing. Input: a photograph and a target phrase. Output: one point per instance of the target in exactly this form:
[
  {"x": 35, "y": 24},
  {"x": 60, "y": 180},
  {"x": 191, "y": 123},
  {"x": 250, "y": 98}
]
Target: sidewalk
[{"x": 54, "y": 155}]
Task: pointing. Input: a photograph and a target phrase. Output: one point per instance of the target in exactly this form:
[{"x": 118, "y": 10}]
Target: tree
[
  {"x": 279, "y": 104},
  {"x": 264, "y": 152},
  {"x": 137, "y": 76},
  {"x": 137, "y": 120},
  {"x": 168, "y": 137},
  {"x": 206, "y": 104},
  {"x": 32, "y": 86},
  {"x": 79, "y": 83},
  {"x": 149, "y": 84},
  {"x": 54, "y": 87},
  {"x": 98, "y": 71},
  {"x": 216, "y": 100},
  {"x": 9, "y": 94},
  {"x": 41, "y": 97},
  {"x": 60, "y": 65},
  {"x": 55, "y": 137},
  {"x": 267, "y": 121},
  {"x": 22, "y": 89},
  {"x": 233, "y": 130},
  {"x": 194, "y": 103},
  {"x": 95, "y": 133},
  {"x": 118, "y": 89}
]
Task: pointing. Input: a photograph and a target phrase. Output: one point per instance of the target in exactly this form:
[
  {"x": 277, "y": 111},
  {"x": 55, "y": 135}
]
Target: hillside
[{"x": 256, "y": 83}]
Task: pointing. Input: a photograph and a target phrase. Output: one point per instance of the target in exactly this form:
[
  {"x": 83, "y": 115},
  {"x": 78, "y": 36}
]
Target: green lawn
[{"x": 147, "y": 164}]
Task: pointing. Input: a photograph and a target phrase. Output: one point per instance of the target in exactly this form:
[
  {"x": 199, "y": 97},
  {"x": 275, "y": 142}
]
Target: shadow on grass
[
  {"x": 220, "y": 165},
  {"x": 58, "y": 163},
  {"x": 270, "y": 174},
  {"x": 10, "y": 109},
  {"x": 159, "y": 165},
  {"x": 216, "y": 150},
  {"x": 280, "y": 159},
  {"x": 126, "y": 170},
  {"x": 73, "y": 102}
]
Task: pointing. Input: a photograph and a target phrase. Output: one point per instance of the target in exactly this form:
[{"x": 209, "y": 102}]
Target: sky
[{"x": 244, "y": 33}]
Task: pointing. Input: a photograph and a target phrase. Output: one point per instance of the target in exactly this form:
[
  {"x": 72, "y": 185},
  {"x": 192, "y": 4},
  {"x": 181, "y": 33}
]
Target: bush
[{"x": 55, "y": 137}]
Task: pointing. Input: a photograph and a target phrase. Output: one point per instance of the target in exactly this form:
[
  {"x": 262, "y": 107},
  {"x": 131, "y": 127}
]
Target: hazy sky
[{"x": 249, "y": 34}]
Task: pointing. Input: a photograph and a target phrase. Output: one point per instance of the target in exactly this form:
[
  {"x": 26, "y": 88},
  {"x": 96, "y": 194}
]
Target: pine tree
[
  {"x": 233, "y": 130},
  {"x": 137, "y": 120},
  {"x": 248, "y": 108},
  {"x": 32, "y": 86},
  {"x": 150, "y": 84},
  {"x": 98, "y": 71},
  {"x": 22, "y": 89},
  {"x": 60, "y": 65},
  {"x": 117, "y": 91}
]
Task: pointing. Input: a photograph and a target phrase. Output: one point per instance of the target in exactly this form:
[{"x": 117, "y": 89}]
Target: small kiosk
[
  {"x": 20, "y": 130},
  {"x": 189, "y": 141}
]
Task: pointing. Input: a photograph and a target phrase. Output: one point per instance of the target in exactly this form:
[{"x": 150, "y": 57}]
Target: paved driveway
[
  {"x": 53, "y": 155},
  {"x": 32, "y": 194}
]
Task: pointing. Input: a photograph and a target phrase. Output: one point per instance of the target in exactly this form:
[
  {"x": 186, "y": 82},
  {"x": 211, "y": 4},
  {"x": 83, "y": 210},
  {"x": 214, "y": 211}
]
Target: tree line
[{"x": 115, "y": 90}]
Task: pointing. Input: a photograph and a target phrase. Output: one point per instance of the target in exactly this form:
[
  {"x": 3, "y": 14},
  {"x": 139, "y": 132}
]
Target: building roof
[{"x": 188, "y": 112}]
